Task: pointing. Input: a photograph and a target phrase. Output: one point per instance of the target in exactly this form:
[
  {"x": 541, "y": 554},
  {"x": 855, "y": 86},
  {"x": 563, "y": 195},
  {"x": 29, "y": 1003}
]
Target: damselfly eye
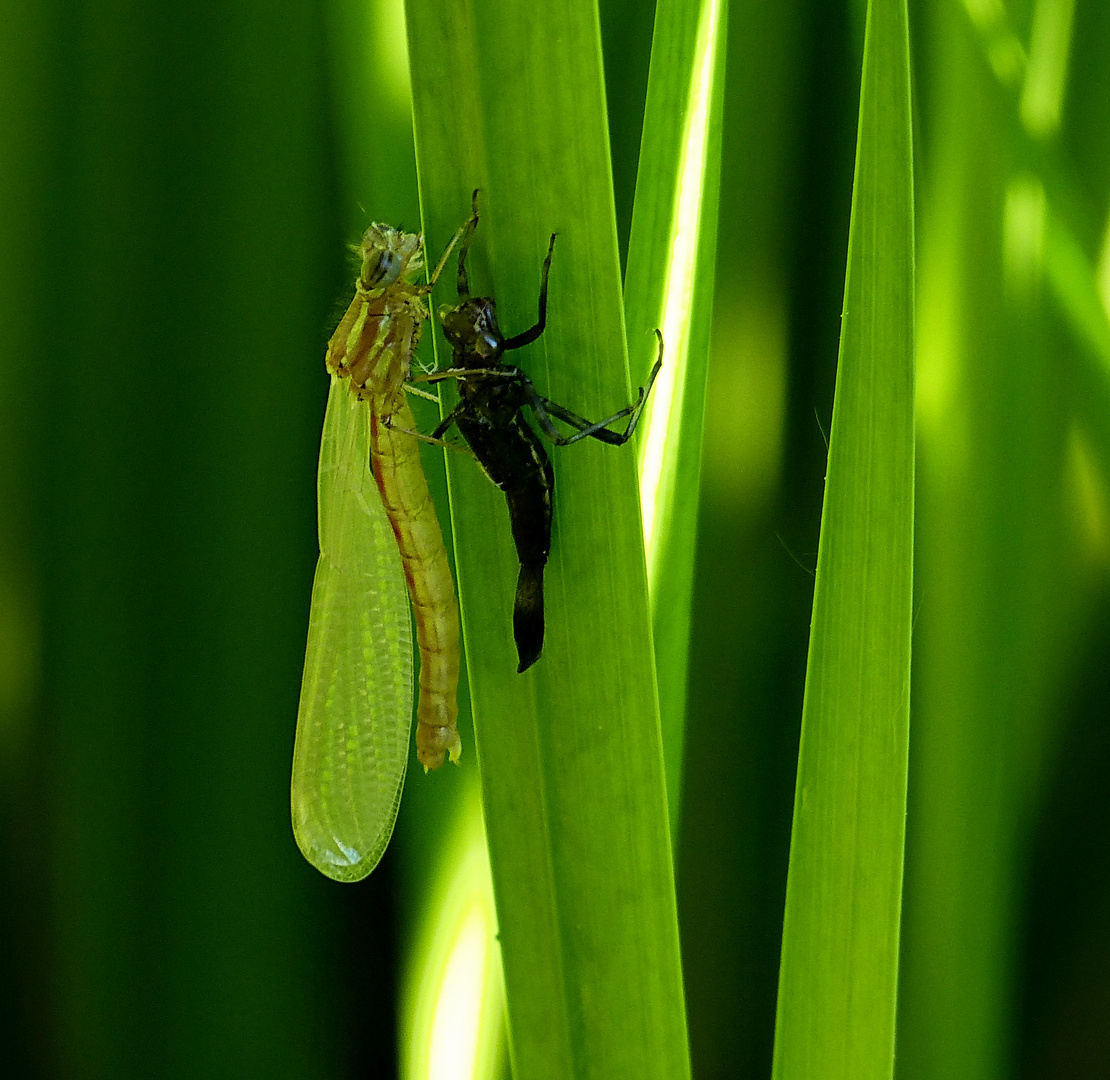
[
  {"x": 455, "y": 324},
  {"x": 380, "y": 268},
  {"x": 387, "y": 256}
]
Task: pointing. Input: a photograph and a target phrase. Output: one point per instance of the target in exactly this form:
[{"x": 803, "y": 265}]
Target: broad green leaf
[{"x": 509, "y": 100}]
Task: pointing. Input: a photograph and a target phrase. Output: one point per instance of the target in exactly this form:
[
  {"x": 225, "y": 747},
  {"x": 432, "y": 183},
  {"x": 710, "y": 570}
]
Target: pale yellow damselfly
[{"x": 378, "y": 532}]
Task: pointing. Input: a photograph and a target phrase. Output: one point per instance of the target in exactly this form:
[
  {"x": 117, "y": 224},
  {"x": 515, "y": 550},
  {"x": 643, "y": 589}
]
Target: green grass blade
[
  {"x": 669, "y": 284},
  {"x": 453, "y": 1000},
  {"x": 839, "y": 973},
  {"x": 996, "y": 571},
  {"x": 1075, "y": 287},
  {"x": 510, "y": 100}
]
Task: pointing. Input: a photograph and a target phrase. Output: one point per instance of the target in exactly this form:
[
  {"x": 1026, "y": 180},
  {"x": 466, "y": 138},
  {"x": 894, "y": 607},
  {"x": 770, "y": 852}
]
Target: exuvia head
[
  {"x": 389, "y": 255},
  {"x": 471, "y": 329}
]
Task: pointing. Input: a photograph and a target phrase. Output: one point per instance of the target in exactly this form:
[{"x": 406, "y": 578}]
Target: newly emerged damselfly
[
  {"x": 378, "y": 531},
  {"x": 492, "y": 396}
]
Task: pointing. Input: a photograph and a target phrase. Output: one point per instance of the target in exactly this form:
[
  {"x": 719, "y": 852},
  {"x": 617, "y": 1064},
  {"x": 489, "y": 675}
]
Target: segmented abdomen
[
  {"x": 514, "y": 459},
  {"x": 395, "y": 458}
]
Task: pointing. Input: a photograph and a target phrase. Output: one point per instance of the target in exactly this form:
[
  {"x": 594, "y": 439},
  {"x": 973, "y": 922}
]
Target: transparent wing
[{"x": 356, "y": 695}]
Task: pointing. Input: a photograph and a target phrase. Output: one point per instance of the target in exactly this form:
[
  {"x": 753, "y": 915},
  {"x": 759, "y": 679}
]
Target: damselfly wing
[{"x": 356, "y": 695}]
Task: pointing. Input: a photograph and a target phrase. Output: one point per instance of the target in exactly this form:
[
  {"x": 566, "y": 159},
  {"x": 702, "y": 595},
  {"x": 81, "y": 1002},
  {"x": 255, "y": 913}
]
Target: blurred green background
[{"x": 178, "y": 182}]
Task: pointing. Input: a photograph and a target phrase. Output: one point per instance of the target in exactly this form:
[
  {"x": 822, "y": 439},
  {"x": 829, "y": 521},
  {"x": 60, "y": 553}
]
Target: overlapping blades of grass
[
  {"x": 839, "y": 974},
  {"x": 669, "y": 284}
]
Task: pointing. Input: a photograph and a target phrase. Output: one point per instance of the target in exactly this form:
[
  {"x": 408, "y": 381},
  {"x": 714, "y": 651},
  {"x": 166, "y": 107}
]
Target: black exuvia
[{"x": 490, "y": 416}]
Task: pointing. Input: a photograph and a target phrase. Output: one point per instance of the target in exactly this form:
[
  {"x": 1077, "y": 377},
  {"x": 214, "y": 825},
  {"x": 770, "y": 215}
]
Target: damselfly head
[
  {"x": 472, "y": 325},
  {"x": 389, "y": 255}
]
